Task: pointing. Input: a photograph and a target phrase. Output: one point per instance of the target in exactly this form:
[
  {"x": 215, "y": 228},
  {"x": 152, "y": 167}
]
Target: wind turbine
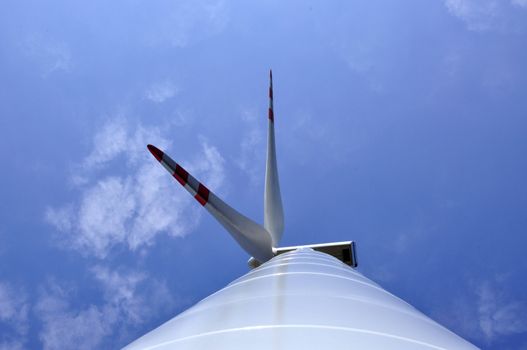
[{"x": 301, "y": 297}]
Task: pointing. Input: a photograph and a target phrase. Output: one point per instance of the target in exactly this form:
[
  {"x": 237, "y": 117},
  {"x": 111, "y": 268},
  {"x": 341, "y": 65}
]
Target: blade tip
[{"x": 156, "y": 152}]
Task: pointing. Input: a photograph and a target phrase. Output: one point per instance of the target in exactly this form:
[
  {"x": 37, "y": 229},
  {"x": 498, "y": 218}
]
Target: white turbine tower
[{"x": 304, "y": 297}]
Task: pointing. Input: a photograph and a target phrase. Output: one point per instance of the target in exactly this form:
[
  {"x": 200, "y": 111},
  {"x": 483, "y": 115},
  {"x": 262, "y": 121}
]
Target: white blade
[
  {"x": 273, "y": 211},
  {"x": 253, "y": 238}
]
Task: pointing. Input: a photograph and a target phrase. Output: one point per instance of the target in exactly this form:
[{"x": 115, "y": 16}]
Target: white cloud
[
  {"x": 161, "y": 91},
  {"x": 252, "y": 147},
  {"x": 111, "y": 141},
  {"x": 13, "y": 317},
  {"x": 478, "y": 14},
  {"x": 130, "y": 299},
  {"x": 11, "y": 345},
  {"x": 120, "y": 290},
  {"x": 307, "y": 137},
  {"x": 489, "y": 313},
  {"x": 136, "y": 200},
  {"x": 65, "y": 329},
  {"x": 211, "y": 164},
  {"x": 50, "y": 55},
  {"x": 520, "y": 3},
  {"x": 61, "y": 218},
  {"x": 355, "y": 43},
  {"x": 360, "y": 56},
  {"x": 499, "y": 315},
  {"x": 485, "y": 15},
  {"x": 184, "y": 22}
]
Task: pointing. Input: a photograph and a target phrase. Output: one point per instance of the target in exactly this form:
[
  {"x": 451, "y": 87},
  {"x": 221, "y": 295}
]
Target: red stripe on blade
[
  {"x": 271, "y": 114},
  {"x": 203, "y": 194},
  {"x": 181, "y": 175},
  {"x": 156, "y": 152}
]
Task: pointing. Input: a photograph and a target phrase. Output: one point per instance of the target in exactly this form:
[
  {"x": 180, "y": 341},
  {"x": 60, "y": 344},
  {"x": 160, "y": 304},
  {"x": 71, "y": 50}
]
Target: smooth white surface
[{"x": 301, "y": 300}]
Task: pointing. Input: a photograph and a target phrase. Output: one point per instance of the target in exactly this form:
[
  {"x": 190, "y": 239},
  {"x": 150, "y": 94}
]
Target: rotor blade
[
  {"x": 253, "y": 238},
  {"x": 273, "y": 211}
]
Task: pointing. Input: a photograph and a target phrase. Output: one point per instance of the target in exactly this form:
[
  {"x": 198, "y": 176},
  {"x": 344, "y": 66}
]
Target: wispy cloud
[
  {"x": 360, "y": 58},
  {"x": 161, "y": 91},
  {"x": 307, "y": 137},
  {"x": 478, "y": 15},
  {"x": 14, "y": 310},
  {"x": 490, "y": 312},
  {"x": 111, "y": 141},
  {"x": 12, "y": 345},
  {"x": 485, "y": 15},
  {"x": 520, "y": 3},
  {"x": 135, "y": 200},
  {"x": 49, "y": 55},
  {"x": 252, "y": 146},
  {"x": 185, "y": 22},
  {"x": 130, "y": 299},
  {"x": 497, "y": 313}
]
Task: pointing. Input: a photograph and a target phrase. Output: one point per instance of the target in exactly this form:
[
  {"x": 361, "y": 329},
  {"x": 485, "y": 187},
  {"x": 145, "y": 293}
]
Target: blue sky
[{"x": 399, "y": 125}]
